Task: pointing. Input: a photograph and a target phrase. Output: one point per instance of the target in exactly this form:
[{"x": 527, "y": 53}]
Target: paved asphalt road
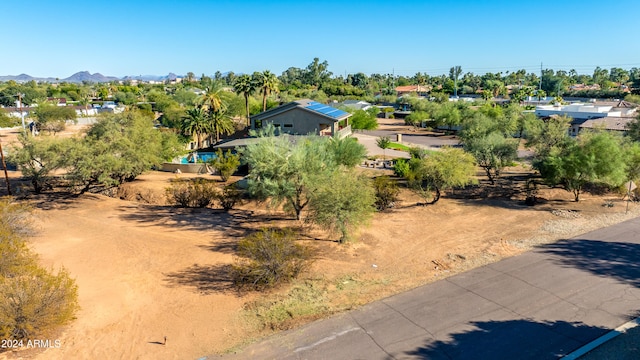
[{"x": 543, "y": 304}]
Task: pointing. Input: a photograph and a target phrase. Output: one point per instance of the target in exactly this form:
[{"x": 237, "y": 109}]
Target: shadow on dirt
[
  {"x": 203, "y": 279},
  {"x": 235, "y": 223}
]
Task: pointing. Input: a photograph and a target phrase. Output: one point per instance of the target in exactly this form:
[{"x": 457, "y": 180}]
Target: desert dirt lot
[{"x": 146, "y": 270}]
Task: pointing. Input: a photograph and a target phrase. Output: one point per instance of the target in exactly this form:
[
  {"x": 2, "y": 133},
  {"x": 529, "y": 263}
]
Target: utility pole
[
  {"x": 21, "y": 113},
  {"x": 4, "y": 166},
  {"x": 393, "y": 79},
  {"x": 540, "y": 86},
  {"x": 456, "y": 73}
]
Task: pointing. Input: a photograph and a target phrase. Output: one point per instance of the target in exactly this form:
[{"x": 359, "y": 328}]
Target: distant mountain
[
  {"x": 170, "y": 76},
  {"x": 23, "y": 78},
  {"x": 87, "y": 76}
]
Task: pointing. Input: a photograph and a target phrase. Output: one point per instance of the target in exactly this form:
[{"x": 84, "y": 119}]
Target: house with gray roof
[
  {"x": 607, "y": 123},
  {"x": 304, "y": 117},
  {"x": 355, "y": 104}
]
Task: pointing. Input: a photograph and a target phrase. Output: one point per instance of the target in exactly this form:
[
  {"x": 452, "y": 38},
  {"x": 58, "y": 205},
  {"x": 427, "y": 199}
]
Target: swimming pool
[{"x": 197, "y": 157}]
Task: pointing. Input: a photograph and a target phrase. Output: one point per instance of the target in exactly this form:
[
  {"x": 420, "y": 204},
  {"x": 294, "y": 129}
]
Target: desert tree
[
  {"x": 364, "y": 119},
  {"x": 445, "y": 169},
  {"x": 118, "y": 148},
  {"x": 52, "y": 118},
  {"x": 346, "y": 151},
  {"x": 594, "y": 157},
  {"x": 633, "y": 129},
  {"x": 483, "y": 137},
  {"x": 343, "y": 202},
  {"x": 284, "y": 172},
  {"x": 38, "y": 158},
  {"x": 493, "y": 152}
]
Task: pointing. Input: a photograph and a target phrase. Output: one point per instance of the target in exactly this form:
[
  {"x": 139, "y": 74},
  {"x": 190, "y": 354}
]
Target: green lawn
[{"x": 396, "y": 146}]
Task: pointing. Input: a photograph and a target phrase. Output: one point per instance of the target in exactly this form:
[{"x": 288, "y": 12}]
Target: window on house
[{"x": 288, "y": 125}]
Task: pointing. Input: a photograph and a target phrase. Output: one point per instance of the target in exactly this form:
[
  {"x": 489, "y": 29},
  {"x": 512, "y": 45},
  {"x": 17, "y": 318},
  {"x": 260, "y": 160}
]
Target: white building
[{"x": 577, "y": 111}]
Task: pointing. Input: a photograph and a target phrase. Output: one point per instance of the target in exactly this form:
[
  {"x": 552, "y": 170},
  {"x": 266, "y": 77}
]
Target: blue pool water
[{"x": 197, "y": 157}]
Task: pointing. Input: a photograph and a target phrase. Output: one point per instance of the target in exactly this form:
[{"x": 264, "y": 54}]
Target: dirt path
[{"x": 125, "y": 262}]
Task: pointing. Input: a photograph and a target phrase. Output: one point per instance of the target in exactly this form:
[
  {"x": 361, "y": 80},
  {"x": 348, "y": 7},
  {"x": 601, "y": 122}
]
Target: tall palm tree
[
  {"x": 196, "y": 123},
  {"x": 267, "y": 82},
  {"x": 245, "y": 86},
  {"x": 211, "y": 100},
  {"x": 220, "y": 123}
]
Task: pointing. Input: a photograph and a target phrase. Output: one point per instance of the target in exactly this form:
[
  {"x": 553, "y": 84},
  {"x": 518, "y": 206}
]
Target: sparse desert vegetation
[{"x": 214, "y": 260}]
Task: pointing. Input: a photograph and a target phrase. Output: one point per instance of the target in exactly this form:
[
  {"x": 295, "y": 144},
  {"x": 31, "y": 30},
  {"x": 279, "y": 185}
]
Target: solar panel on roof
[{"x": 325, "y": 109}]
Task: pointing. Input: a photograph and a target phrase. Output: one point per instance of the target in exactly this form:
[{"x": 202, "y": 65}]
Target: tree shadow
[
  {"x": 512, "y": 339},
  {"x": 203, "y": 279},
  {"x": 617, "y": 260},
  {"x": 225, "y": 246},
  {"x": 235, "y": 223},
  {"x": 57, "y": 200}
]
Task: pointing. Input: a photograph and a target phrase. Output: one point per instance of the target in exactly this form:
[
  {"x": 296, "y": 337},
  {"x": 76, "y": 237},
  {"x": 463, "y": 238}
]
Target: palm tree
[
  {"x": 85, "y": 100},
  {"x": 211, "y": 100},
  {"x": 220, "y": 123},
  {"x": 196, "y": 123},
  {"x": 268, "y": 83},
  {"x": 245, "y": 86}
]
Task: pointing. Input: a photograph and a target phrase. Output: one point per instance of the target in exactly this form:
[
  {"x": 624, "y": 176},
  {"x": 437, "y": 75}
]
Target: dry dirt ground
[{"x": 146, "y": 270}]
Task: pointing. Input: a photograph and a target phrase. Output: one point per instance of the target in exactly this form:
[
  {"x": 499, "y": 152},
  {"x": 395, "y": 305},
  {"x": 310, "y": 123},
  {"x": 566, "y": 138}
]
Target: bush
[
  {"x": 32, "y": 300},
  {"x": 8, "y": 121},
  {"x": 198, "y": 193},
  {"x": 229, "y": 197},
  {"x": 386, "y": 192},
  {"x": 401, "y": 168},
  {"x": 226, "y": 164},
  {"x": 417, "y": 153},
  {"x": 269, "y": 258},
  {"x": 362, "y": 119}
]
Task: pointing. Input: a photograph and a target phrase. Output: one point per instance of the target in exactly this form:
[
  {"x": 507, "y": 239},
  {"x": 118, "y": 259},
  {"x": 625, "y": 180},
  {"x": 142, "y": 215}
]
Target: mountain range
[{"x": 87, "y": 76}]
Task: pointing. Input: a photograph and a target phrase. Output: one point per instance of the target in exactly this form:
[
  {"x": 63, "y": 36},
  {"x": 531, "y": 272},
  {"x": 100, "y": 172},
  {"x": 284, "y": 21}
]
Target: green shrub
[
  {"x": 386, "y": 192},
  {"x": 269, "y": 258},
  {"x": 401, "y": 168},
  {"x": 198, "y": 193},
  {"x": 8, "y": 121},
  {"x": 417, "y": 153},
  {"x": 226, "y": 164}
]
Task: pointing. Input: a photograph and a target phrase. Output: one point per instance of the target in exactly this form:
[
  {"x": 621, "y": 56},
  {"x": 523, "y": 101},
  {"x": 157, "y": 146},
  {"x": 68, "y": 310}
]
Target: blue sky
[{"x": 140, "y": 37}]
